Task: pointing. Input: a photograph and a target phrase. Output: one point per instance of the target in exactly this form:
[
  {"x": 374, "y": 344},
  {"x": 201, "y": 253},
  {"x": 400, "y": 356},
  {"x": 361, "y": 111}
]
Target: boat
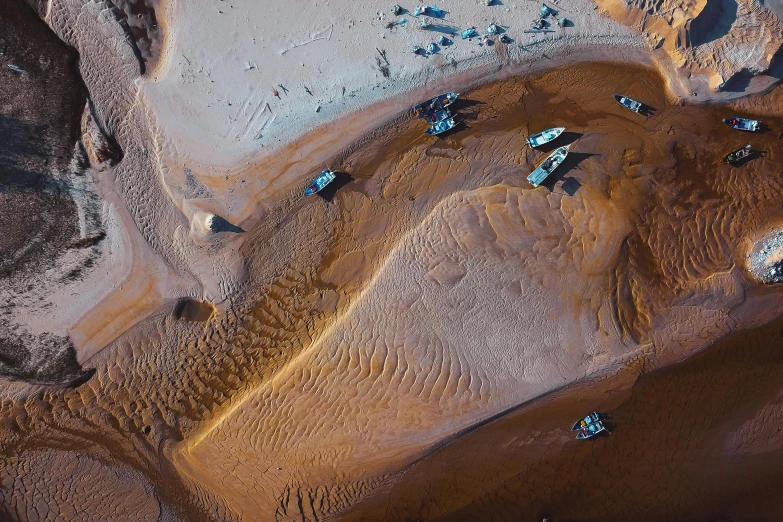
[
  {"x": 548, "y": 166},
  {"x": 435, "y": 117},
  {"x": 441, "y": 127},
  {"x": 536, "y": 140},
  {"x": 737, "y": 155},
  {"x": 320, "y": 181},
  {"x": 628, "y": 103},
  {"x": 435, "y": 104},
  {"x": 591, "y": 430},
  {"x": 469, "y": 33},
  {"x": 742, "y": 124},
  {"x": 581, "y": 423}
]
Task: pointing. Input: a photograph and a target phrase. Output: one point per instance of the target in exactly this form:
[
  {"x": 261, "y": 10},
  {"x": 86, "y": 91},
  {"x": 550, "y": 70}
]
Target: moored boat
[
  {"x": 628, "y": 103},
  {"x": 437, "y": 103},
  {"x": 548, "y": 166},
  {"x": 536, "y": 140},
  {"x": 435, "y": 117},
  {"x": 441, "y": 127},
  {"x": 320, "y": 181},
  {"x": 591, "y": 430},
  {"x": 589, "y": 419},
  {"x": 745, "y": 124},
  {"x": 738, "y": 154}
]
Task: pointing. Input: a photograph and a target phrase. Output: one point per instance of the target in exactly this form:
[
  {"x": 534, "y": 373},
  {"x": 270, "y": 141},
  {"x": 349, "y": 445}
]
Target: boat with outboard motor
[
  {"x": 543, "y": 137},
  {"x": 319, "y": 182},
  {"x": 628, "y": 103},
  {"x": 548, "y": 166},
  {"x": 735, "y": 122},
  {"x": 738, "y": 154}
]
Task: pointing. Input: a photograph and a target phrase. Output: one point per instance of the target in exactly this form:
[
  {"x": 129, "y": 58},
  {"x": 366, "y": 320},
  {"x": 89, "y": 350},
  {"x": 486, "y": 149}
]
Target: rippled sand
[{"x": 434, "y": 291}]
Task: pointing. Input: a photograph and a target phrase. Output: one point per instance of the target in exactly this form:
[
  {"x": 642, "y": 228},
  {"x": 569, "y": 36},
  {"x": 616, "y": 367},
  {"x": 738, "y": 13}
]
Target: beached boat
[
  {"x": 742, "y": 124},
  {"x": 738, "y": 154},
  {"x": 435, "y": 117},
  {"x": 548, "y": 166},
  {"x": 320, "y": 181},
  {"x": 581, "y": 423},
  {"x": 437, "y": 103},
  {"x": 441, "y": 127},
  {"x": 536, "y": 140},
  {"x": 628, "y": 103},
  {"x": 591, "y": 430}
]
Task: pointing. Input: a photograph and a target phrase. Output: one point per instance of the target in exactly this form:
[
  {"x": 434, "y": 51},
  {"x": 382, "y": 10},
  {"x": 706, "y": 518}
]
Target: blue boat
[
  {"x": 591, "y": 430},
  {"x": 441, "y": 127},
  {"x": 582, "y": 423},
  {"x": 628, "y": 103},
  {"x": 469, "y": 33},
  {"x": 745, "y": 124},
  {"x": 439, "y": 102},
  {"x": 320, "y": 181},
  {"x": 438, "y": 116}
]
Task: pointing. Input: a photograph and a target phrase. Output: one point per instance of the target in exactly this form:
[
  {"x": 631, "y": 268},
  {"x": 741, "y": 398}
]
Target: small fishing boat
[
  {"x": 437, "y": 116},
  {"x": 469, "y": 33},
  {"x": 591, "y": 430},
  {"x": 435, "y": 104},
  {"x": 742, "y": 124},
  {"x": 628, "y": 103},
  {"x": 536, "y": 140},
  {"x": 548, "y": 166},
  {"x": 738, "y": 154},
  {"x": 441, "y": 127},
  {"x": 590, "y": 419},
  {"x": 320, "y": 181}
]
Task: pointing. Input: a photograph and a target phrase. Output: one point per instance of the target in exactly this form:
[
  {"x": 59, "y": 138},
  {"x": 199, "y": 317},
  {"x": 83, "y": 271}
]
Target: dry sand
[{"x": 291, "y": 365}]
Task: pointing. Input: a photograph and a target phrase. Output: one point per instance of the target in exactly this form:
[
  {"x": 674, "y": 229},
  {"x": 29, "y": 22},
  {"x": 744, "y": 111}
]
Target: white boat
[
  {"x": 536, "y": 140},
  {"x": 628, "y": 103},
  {"x": 548, "y": 166}
]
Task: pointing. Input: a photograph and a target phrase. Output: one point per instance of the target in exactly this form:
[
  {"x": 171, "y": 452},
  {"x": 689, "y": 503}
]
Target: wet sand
[
  {"x": 695, "y": 441},
  {"x": 205, "y": 411}
]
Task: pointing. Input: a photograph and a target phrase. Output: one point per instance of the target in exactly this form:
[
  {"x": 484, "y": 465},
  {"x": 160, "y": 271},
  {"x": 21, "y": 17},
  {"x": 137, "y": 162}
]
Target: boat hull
[
  {"x": 743, "y": 124},
  {"x": 441, "y": 127},
  {"x": 628, "y": 103},
  {"x": 737, "y": 155},
  {"x": 544, "y": 137},
  {"x": 548, "y": 166},
  {"x": 438, "y": 103},
  {"x": 582, "y": 423},
  {"x": 319, "y": 182}
]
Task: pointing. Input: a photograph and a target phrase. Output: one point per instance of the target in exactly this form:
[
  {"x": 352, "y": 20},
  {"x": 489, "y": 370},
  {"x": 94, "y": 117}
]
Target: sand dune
[{"x": 259, "y": 355}]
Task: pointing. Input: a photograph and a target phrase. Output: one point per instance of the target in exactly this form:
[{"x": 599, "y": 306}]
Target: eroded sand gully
[{"x": 435, "y": 290}]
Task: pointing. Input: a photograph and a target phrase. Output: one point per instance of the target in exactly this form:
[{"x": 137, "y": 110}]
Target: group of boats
[
  {"x": 437, "y": 114},
  {"x": 440, "y": 119},
  {"x": 590, "y": 426}
]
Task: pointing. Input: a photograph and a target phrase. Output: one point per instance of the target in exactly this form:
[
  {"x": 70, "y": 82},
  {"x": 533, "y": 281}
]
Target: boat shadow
[
  {"x": 763, "y": 128},
  {"x": 647, "y": 110},
  {"x": 566, "y": 138},
  {"x": 464, "y": 103},
  {"x": 341, "y": 179},
  {"x": 450, "y": 30},
  {"x": 570, "y": 184}
]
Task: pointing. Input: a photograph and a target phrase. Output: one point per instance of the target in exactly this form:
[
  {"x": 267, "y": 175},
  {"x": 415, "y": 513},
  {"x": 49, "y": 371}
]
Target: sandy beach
[{"x": 200, "y": 341}]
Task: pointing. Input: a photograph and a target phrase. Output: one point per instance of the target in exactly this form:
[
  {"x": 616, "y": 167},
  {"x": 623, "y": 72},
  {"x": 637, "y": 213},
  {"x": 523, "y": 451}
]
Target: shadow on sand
[
  {"x": 566, "y": 138},
  {"x": 341, "y": 179},
  {"x": 570, "y": 184},
  {"x": 221, "y": 225}
]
